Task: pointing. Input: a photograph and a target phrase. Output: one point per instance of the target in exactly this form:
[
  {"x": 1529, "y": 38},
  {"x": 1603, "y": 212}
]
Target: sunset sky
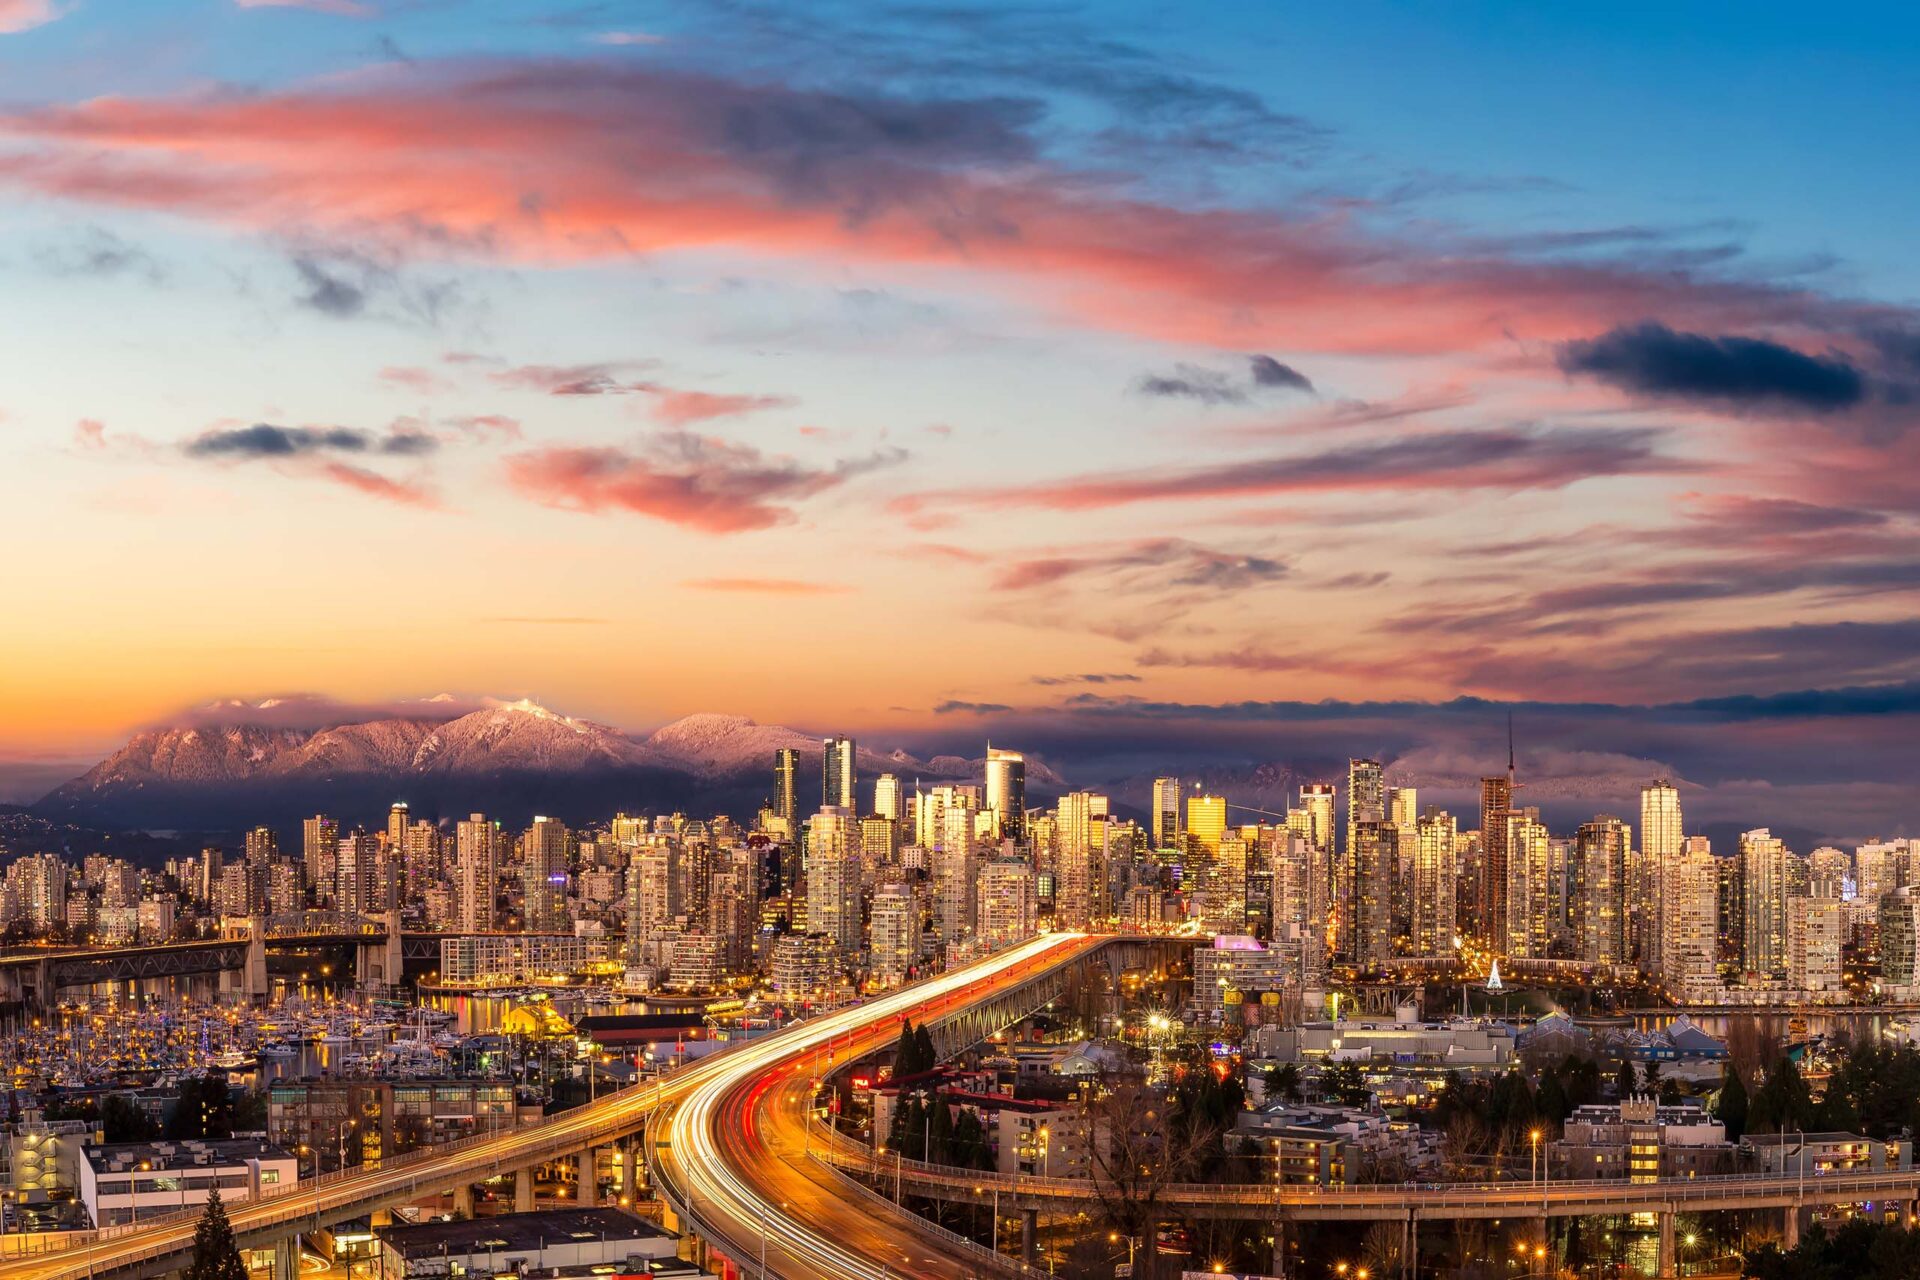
[{"x": 1064, "y": 374}]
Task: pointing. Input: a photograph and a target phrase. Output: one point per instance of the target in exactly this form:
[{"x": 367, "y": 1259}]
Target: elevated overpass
[
  {"x": 731, "y": 1150},
  {"x": 960, "y": 1000}
]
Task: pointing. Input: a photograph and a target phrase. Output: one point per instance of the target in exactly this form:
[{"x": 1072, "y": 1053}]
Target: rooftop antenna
[{"x": 1509, "y": 752}]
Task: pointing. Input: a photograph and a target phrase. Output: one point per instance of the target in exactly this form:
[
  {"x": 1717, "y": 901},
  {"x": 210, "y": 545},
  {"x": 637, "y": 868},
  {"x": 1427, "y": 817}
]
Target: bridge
[
  {"x": 379, "y": 953},
  {"x": 1408, "y": 1203}
]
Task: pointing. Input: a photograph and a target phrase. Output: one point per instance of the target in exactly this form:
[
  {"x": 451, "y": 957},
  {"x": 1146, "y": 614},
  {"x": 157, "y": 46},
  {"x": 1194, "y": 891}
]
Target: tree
[
  {"x": 1142, "y": 1154},
  {"x": 1345, "y": 1083},
  {"x": 1283, "y": 1081},
  {"x": 1730, "y": 1108},
  {"x": 1551, "y": 1101},
  {"x": 924, "y": 1053},
  {"x": 906, "y": 1053},
  {"x": 1625, "y": 1081},
  {"x": 123, "y": 1120},
  {"x": 1650, "y": 1077},
  {"x": 203, "y": 1109},
  {"x": 215, "y": 1255},
  {"x": 1782, "y": 1102}
]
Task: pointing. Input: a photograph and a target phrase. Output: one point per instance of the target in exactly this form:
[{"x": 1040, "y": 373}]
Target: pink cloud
[
  {"x": 24, "y": 15},
  {"x": 692, "y": 481},
  {"x": 559, "y": 161},
  {"x": 375, "y": 485},
  {"x": 340, "y": 8},
  {"x": 90, "y": 434},
  {"x": 1455, "y": 461},
  {"x": 678, "y": 408},
  {"x": 414, "y": 379}
]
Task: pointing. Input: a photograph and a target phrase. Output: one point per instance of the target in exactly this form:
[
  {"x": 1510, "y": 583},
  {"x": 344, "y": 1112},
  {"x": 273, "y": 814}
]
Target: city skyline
[{"x": 1161, "y": 398}]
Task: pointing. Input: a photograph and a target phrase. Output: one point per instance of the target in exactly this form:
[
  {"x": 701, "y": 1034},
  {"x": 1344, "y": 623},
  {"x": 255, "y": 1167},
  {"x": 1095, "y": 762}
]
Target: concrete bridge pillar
[
  {"x": 629, "y": 1162},
  {"x": 587, "y": 1176},
  {"x": 1667, "y": 1255},
  {"x": 463, "y": 1200},
  {"x": 286, "y": 1259},
  {"x": 1790, "y": 1229},
  {"x": 377, "y": 961},
  {"x": 1279, "y": 1266},
  {"x": 1410, "y": 1246},
  {"x": 1029, "y": 1228},
  {"x": 523, "y": 1190}
]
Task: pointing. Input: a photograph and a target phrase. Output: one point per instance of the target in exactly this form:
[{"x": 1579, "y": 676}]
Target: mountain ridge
[{"x": 500, "y": 758}]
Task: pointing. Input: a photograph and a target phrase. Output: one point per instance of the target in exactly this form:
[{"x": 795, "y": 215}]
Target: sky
[{"x": 1278, "y": 381}]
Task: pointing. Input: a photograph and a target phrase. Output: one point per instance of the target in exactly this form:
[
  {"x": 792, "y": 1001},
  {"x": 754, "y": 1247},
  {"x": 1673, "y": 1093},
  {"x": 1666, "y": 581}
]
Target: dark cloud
[
  {"x": 1211, "y": 386},
  {"x": 953, "y": 707},
  {"x": 1152, "y": 564},
  {"x": 1516, "y": 458},
  {"x": 95, "y": 251},
  {"x": 349, "y": 284},
  {"x": 1651, "y": 359},
  {"x": 1093, "y": 677},
  {"x": 1191, "y": 382},
  {"x": 328, "y": 293},
  {"x": 1268, "y": 372},
  {"x": 265, "y": 440}
]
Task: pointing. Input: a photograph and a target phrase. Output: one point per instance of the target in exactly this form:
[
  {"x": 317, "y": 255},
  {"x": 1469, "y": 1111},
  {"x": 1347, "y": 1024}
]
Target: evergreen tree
[
  {"x": 1551, "y": 1101},
  {"x": 1283, "y": 1081},
  {"x": 906, "y": 1053},
  {"x": 1731, "y": 1107},
  {"x": 1625, "y": 1081},
  {"x": 924, "y": 1053},
  {"x": 203, "y": 1109},
  {"x": 1650, "y": 1078},
  {"x": 215, "y": 1255},
  {"x": 940, "y": 1132}
]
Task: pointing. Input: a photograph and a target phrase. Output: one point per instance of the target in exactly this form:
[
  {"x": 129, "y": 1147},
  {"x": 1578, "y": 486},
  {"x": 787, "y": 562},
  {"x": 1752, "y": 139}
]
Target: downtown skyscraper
[{"x": 837, "y": 780}]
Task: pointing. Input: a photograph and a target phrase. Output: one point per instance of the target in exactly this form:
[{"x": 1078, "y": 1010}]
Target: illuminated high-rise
[
  {"x": 321, "y": 852},
  {"x": 1661, "y": 834},
  {"x": 786, "y": 765},
  {"x": 543, "y": 876},
  {"x": 476, "y": 853},
  {"x": 1080, "y": 832},
  {"x": 1007, "y": 792},
  {"x": 1764, "y": 876},
  {"x": 1496, "y": 802},
  {"x": 833, "y": 877},
  {"x": 1366, "y": 803},
  {"x": 1206, "y": 822},
  {"x": 837, "y": 756},
  {"x": 1597, "y": 892},
  {"x": 1529, "y": 893},
  {"x": 1166, "y": 813},
  {"x": 1689, "y": 920},
  {"x": 1373, "y": 857},
  {"x": 1434, "y": 872},
  {"x": 886, "y": 798}
]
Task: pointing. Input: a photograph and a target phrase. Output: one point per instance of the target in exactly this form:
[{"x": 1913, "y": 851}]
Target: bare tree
[{"x": 1137, "y": 1154}]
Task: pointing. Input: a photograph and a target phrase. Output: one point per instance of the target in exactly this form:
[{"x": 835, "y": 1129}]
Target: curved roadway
[{"x": 735, "y": 1151}]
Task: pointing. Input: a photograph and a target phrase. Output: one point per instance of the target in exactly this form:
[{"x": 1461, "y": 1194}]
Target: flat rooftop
[
  {"x": 120, "y": 1157},
  {"x": 513, "y": 1231}
]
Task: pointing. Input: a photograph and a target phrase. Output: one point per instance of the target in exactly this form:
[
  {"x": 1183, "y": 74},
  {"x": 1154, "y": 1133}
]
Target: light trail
[{"x": 738, "y": 1186}]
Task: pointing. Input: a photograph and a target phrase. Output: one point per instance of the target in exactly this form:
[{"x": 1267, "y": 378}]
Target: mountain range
[{"x": 508, "y": 760}]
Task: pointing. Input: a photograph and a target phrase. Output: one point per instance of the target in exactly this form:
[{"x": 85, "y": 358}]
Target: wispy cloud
[
  {"x": 766, "y": 586},
  {"x": 699, "y": 483}
]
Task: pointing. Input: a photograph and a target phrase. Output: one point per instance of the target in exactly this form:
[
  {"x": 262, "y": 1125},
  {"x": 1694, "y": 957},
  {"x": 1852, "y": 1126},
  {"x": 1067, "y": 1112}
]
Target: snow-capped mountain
[{"x": 499, "y": 759}]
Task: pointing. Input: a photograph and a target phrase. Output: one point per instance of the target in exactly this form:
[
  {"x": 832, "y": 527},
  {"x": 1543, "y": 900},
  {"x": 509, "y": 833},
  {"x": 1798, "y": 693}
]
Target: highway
[
  {"x": 736, "y": 1148},
  {"x": 155, "y": 1247}
]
